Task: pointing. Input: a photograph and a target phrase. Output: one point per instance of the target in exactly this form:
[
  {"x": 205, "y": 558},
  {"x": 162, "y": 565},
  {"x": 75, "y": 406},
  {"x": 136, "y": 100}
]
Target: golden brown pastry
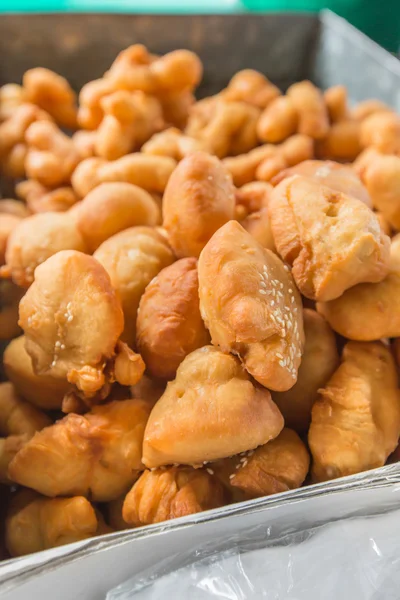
[
  {"x": 251, "y": 306},
  {"x": 211, "y": 410},
  {"x": 113, "y": 207},
  {"x": 382, "y": 179},
  {"x": 336, "y": 103},
  {"x": 278, "y": 466},
  {"x": 364, "y": 109},
  {"x": 169, "y": 325},
  {"x": 130, "y": 119},
  {"x": 252, "y": 87},
  {"x": 310, "y": 106},
  {"x": 355, "y": 422},
  {"x": 332, "y": 240},
  {"x": 9, "y": 206},
  {"x": 368, "y": 311},
  {"x": 148, "y": 389},
  {"x": 53, "y": 94},
  {"x": 278, "y": 121},
  {"x": 72, "y": 319},
  {"x": 43, "y": 391},
  {"x": 198, "y": 200},
  {"x": 132, "y": 258},
  {"x": 90, "y": 112},
  {"x": 164, "y": 494},
  {"x": 18, "y": 423},
  {"x": 145, "y": 171},
  {"x": 12, "y": 96},
  {"x": 10, "y": 295},
  {"x": 320, "y": 359},
  {"x": 252, "y": 211},
  {"x": 342, "y": 141},
  {"x": 35, "y": 523},
  {"x": 42, "y": 199},
  {"x": 7, "y": 225},
  {"x": 172, "y": 142},
  {"x": 96, "y": 455},
  {"x": 52, "y": 156},
  {"x": 382, "y": 131},
  {"x": 34, "y": 240},
  {"x": 340, "y": 178}
]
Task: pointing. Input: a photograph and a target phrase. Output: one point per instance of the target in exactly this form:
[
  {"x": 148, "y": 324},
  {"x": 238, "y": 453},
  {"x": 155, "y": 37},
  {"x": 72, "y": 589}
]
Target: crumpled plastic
[{"x": 357, "y": 558}]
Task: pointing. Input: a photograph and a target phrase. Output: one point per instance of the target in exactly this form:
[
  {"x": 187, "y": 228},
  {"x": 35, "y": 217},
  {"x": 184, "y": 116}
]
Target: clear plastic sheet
[{"x": 356, "y": 557}]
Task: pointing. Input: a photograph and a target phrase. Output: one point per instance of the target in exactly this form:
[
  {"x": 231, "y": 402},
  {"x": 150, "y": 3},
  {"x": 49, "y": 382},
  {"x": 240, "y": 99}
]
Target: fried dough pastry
[
  {"x": 96, "y": 455},
  {"x": 136, "y": 69},
  {"x": 12, "y": 131},
  {"x": 132, "y": 258},
  {"x": 12, "y": 96},
  {"x": 34, "y": 240},
  {"x": 319, "y": 361},
  {"x": 198, "y": 200},
  {"x": 148, "y": 389},
  {"x": 164, "y": 494},
  {"x": 13, "y": 164},
  {"x": 382, "y": 131},
  {"x": 34, "y": 523},
  {"x": 145, "y": 171},
  {"x": 113, "y": 207},
  {"x": 278, "y": 121},
  {"x": 53, "y": 94},
  {"x": 10, "y": 295},
  {"x": 251, "y": 306},
  {"x": 18, "y": 423},
  {"x": 7, "y": 225},
  {"x": 355, "y": 422},
  {"x": 278, "y": 466},
  {"x": 368, "y": 311},
  {"x": 252, "y": 87},
  {"x": 39, "y": 198},
  {"x": 72, "y": 320},
  {"x": 169, "y": 325},
  {"x": 130, "y": 119},
  {"x": 85, "y": 142},
  {"x": 310, "y": 106},
  {"x": 43, "y": 391},
  {"x": 52, "y": 156},
  {"x": 382, "y": 179},
  {"x": 366, "y": 108},
  {"x": 332, "y": 240},
  {"x": 211, "y": 410},
  {"x": 9, "y": 206},
  {"x": 90, "y": 112},
  {"x": 252, "y": 203},
  {"x": 336, "y": 103},
  {"x": 340, "y": 178},
  {"x": 172, "y": 142},
  {"x": 343, "y": 141},
  {"x": 225, "y": 128}
]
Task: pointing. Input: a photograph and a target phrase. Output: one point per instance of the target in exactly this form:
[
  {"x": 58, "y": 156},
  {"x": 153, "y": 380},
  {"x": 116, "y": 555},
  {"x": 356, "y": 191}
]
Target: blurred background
[{"x": 379, "y": 19}]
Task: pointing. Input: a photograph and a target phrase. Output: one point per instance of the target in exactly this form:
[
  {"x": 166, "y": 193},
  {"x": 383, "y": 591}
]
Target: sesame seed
[
  {"x": 282, "y": 363},
  {"x": 70, "y": 318},
  {"x": 283, "y": 332},
  {"x": 245, "y": 463},
  {"x": 281, "y": 285},
  {"x": 262, "y": 292},
  {"x": 293, "y": 299},
  {"x": 263, "y": 284},
  {"x": 290, "y": 291},
  {"x": 210, "y": 471},
  {"x": 53, "y": 364},
  {"x": 62, "y": 346},
  {"x": 278, "y": 355},
  {"x": 232, "y": 476},
  {"x": 58, "y": 344},
  {"x": 272, "y": 302},
  {"x": 238, "y": 466}
]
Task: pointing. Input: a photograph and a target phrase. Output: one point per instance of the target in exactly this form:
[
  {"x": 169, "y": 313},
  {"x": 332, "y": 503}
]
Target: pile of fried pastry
[{"x": 197, "y": 298}]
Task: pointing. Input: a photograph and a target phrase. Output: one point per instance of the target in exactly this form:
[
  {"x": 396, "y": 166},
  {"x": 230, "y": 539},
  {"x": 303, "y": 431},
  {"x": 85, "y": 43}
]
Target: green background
[{"x": 380, "y": 19}]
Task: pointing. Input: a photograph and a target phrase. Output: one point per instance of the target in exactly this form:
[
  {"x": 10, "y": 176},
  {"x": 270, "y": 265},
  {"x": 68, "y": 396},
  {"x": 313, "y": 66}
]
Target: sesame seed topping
[
  {"x": 232, "y": 476},
  {"x": 290, "y": 291},
  {"x": 272, "y": 302},
  {"x": 210, "y": 471},
  {"x": 283, "y": 332},
  {"x": 282, "y": 363},
  {"x": 62, "y": 346},
  {"x": 58, "y": 344},
  {"x": 263, "y": 284},
  {"x": 278, "y": 355},
  {"x": 70, "y": 318},
  {"x": 262, "y": 292}
]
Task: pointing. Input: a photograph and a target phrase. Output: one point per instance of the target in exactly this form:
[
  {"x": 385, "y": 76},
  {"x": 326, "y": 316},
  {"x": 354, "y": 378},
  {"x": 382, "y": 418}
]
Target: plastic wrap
[{"x": 347, "y": 555}]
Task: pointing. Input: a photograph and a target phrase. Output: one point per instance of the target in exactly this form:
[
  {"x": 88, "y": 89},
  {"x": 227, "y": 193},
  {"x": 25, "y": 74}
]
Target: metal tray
[{"x": 287, "y": 48}]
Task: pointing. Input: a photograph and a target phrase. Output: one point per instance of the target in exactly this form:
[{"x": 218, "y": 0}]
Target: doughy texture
[
  {"x": 198, "y": 200},
  {"x": 278, "y": 466},
  {"x": 332, "y": 240},
  {"x": 35, "y": 239},
  {"x": 132, "y": 258},
  {"x": 43, "y": 391},
  {"x": 72, "y": 319},
  {"x": 18, "y": 417},
  {"x": 368, "y": 311},
  {"x": 355, "y": 422},
  {"x": 34, "y": 523},
  {"x": 164, "y": 494},
  {"x": 341, "y": 178},
  {"x": 211, "y": 410},
  {"x": 97, "y": 455},
  {"x": 251, "y": 306},
  {"x": 319, "y": 361},
  {"x": 169, "y": 324}
]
